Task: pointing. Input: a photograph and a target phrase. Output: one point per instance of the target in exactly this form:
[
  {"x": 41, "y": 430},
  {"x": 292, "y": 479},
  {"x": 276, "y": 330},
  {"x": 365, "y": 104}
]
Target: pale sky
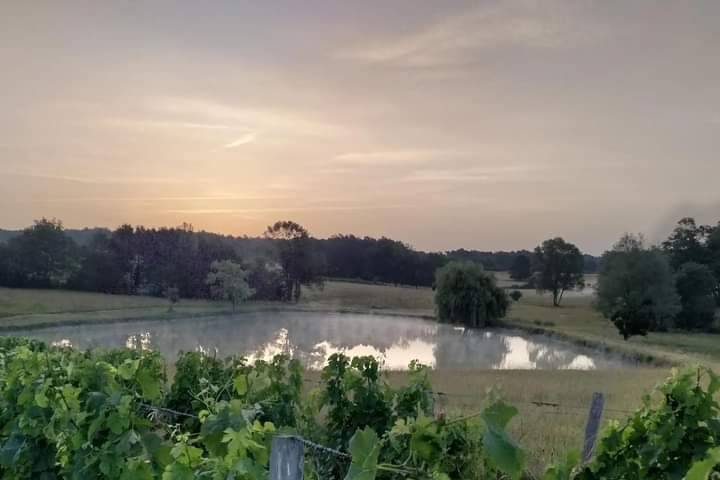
[{"x": 487, "y": 125}]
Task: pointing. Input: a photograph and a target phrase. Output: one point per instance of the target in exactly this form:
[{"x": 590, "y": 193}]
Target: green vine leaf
[
  {"x": 501, "y": 450},
  {"x": 701, "y": 470},
  {"x": 365, "y": 449}
]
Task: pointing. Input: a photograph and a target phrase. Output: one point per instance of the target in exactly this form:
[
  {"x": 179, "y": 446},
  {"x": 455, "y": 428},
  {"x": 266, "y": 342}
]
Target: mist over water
[{"x": 313, "y": 337}]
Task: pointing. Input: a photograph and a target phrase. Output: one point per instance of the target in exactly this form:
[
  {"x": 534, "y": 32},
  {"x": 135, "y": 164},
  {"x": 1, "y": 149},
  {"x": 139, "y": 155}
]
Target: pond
[{"x": 312, "y": 337}]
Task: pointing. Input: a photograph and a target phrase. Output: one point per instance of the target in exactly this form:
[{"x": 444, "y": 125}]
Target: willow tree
[{"x": 466, "y": 294}]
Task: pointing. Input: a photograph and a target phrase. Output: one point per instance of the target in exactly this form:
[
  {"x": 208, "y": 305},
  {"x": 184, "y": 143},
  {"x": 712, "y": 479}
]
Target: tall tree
[
  {"x": 695, "y": 284},
  {"x": 7, "y": 278},
  {"x": 43, "y": 255},
  {"x": 299, "y": 263},
  {"x": 687, "y": 243},
  {"x": 713, "y": 246},
  {"x": 636, "y": 290},
  {"x": 99, "y": 269},
  {"x": 559, "y": 266},
  {"x": 466, "y": 294},
  {"x": 520, "y": 269},
  {"x": 228, "y": 281}
]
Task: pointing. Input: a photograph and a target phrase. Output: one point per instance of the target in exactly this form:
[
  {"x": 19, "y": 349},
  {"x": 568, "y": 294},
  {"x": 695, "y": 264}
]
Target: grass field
[
  {"x": 547, "y": 432},
  {"x": 22, "y": 302}
]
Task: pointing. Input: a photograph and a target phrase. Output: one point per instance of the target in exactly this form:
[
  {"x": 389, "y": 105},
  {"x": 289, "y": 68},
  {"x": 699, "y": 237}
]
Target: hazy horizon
[{"x": 477, "y": 125}]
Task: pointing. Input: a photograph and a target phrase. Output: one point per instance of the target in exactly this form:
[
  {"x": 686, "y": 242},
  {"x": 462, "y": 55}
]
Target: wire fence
[
  {"x": 559, "y": 407},
  {"x": 294, "y": 457}
]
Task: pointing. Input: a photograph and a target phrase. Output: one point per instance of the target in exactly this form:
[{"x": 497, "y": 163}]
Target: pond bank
[
  {"x": 312, "y": 335},
  {"x": 26, "y": 323}
]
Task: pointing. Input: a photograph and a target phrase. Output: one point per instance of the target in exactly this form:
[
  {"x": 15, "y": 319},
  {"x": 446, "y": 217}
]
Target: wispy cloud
[
  {"x": 179, "y": 198},
  {"x": 454, "y": 39},
  {"x": 316, "y": 208},
  {"x": 167, "y": 125},
  {"x": 112, "y": 180},
  {"x": 271, "y": 120},
  {"x": 472, "y": 174},
  {"x": 245, "y": 139},
  {"x": 393, "y": 156}
]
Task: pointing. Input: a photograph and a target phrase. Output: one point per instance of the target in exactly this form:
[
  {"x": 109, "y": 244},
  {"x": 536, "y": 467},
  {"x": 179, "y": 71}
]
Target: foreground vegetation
[{"x": 70, "y": 414}]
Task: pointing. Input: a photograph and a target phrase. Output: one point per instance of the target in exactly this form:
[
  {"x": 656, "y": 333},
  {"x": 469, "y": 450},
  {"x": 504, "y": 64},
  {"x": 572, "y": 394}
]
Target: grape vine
[{"x": 68, "y": 414}]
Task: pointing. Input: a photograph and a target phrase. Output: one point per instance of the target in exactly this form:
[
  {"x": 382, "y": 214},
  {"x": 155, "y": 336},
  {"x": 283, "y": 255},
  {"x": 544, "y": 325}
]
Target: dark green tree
[
  {"x": 695, "y": 284},
  {"x": 687, "y": 243},
  {"x": 559, "y": 267},
  {"x": 6, "y": 274},
  {"x": 300, "y": 264},
  {"x": 466, "y": 294},
  {"x": 520, "y": 269},
  {"x": 636, "y": 289},
  {"x": 43, "y": 255},
  {"x": 713, "y": 246}
]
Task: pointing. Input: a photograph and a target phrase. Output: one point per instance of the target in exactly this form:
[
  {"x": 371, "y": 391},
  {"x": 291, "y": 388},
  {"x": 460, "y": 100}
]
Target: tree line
[
  {"x": 163, "y": 261},
  {"x": 173, "y": 262}
]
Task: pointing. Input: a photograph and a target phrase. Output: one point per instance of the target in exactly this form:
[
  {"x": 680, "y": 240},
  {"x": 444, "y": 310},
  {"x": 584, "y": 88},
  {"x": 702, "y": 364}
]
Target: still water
[{"x": 313, "y": 337}]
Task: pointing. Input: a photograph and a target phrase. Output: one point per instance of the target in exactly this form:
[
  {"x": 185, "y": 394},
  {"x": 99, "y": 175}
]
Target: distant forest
[{"x": 139, "y": 260}]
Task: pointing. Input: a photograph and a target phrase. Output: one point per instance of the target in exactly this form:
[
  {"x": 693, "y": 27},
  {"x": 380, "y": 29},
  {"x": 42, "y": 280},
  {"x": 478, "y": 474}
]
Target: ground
[{"x": 553, "y": 404}]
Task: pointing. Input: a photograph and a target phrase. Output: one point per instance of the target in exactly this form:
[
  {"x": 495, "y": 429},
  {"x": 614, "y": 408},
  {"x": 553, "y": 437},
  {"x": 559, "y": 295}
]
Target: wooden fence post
[
  {"x": 287, "y": 458},
  {"x": 592, "y": 426}
]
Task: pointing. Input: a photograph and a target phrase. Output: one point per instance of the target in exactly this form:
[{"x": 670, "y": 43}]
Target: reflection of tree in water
[
  {"x": 548, "y": 357},
  {"x": 469, "y": 348},
  {"x": 256, "y": 335},
  {"x": 311, "y": 337},
  {"x": 551, "y": 355}
]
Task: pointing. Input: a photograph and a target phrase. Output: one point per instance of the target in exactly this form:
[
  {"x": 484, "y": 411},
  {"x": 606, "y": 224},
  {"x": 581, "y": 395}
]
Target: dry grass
[
  {"x": 22, "y": 308},
  {"x": 24, "y": 301},
  {"x": 546, "y": 433},
  {"x": 342, "y": 295}
]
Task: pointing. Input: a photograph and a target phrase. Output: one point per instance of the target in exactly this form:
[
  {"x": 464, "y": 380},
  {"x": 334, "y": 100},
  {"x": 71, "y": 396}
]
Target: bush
[
  {"x": 466, "y": 294},
  {"x": 516, "y": 295}
]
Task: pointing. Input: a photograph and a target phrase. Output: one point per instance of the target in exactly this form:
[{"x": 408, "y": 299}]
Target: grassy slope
[
  {"x": 22, "y": 302},
  {"x": 23, "y": 308}
]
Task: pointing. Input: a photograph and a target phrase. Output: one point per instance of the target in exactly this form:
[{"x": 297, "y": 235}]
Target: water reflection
[{"x": 313, "y": 337}]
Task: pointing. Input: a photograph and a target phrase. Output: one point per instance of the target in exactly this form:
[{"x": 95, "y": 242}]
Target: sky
[{"x": 484, "y": 125}]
